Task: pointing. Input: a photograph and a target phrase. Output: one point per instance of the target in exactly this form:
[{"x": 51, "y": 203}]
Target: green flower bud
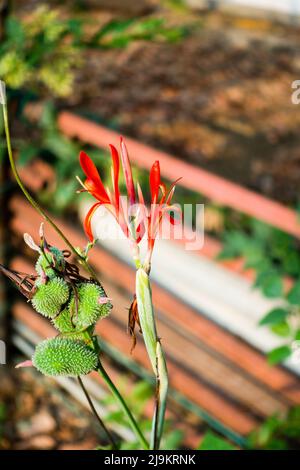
[
  {"x": 64, "y": 357},
  {"x": 47, "y": 261},
  {"x": 50, "y": 297},
  {"x": 90, "y": 309}
]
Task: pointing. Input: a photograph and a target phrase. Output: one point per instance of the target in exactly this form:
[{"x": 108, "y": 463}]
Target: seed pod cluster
[{"x": 73, "y": 306}]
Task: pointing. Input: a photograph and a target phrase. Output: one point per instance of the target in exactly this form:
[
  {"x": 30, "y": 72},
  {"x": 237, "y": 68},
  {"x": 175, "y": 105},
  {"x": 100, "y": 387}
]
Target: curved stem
[
  {"x": 94, "y": 411},
  {"x": 35, "y": 204},
  {"x": 124, "y": 406}
]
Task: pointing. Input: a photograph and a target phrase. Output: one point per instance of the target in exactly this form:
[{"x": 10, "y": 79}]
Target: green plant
[
  {"x": 58, "y": 287},
  {"x": 78, "y": 349},
  {"x": 138, "y": 399},
  {"x": 273, "y": 255},
  {"x": 40, "y": 50},
  {"x": 277, "y": 432},
  {"x": 43, "y": 50},
  {"x": 135, "y": 220},
  {"x": 211, "y": 441}
]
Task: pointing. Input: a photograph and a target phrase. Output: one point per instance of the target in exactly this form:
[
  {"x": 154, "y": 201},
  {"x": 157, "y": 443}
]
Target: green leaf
[
  {"x": 261, "y": 230},
  {"x": 291, "y": 263},
  {"x": 271, "y": 284},
  {"x": 294, "y": 294},
  {"x": 235, "y": 244},
  {"x": 279, "y": 354},
  {"x": 113, "y": 27},
  {"x": 142, "y": 391},
  {"x": 297, "y": 335},
  {"x": 211, "y": 441},
  {"x": 277, "y": 315},
  {"x": 27, "y": 153},
  {"x": 15, "y": 31},
  {"x": 173, "y": 440},
  {"x": 282, "y": 329}
]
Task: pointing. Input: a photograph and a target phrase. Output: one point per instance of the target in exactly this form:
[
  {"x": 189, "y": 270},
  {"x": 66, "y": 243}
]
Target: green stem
[
  {"x": 124, "y": 406},
  {"x": 94, "y": 411},
  {"x": 155, "y": 353}
]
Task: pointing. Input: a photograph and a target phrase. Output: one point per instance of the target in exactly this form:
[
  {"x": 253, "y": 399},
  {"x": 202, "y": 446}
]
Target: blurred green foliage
[
  {"x": 138, "y": 400},
  {"x": 62, "y": 154},
  {"x": 212, "y": 441},
  {"x": 173, "y": 439},
  {"x": 120, "y": 33},
  {"x": 39, "y": 50},
  {"x": 43, "y": 50},
  {"x": 272, "y": 254},
  {"x": 277, "y": 433}
]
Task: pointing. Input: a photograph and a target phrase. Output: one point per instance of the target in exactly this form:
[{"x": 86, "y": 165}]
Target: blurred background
[{"x": 204, "y": 86}]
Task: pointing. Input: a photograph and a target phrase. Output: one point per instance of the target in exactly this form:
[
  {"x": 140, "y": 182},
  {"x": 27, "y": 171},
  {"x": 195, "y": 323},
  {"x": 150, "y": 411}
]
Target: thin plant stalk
[
  {"x": 82, "y": 259},
  {"x": 102, "y": 372},
  {"x": 94, "y": 411}
]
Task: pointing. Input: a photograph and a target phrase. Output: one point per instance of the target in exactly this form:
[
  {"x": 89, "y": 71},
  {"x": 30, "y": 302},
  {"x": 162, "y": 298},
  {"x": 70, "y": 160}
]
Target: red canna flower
[{"x": 135, "y": 220}]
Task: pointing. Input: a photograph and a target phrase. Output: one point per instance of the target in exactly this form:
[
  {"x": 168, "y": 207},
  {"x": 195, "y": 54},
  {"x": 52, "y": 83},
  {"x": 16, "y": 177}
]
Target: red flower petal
[
  {"x": 116, "y": 170},
  {"x": 155, "y": 181},
  {"x": 94, "y": 183},
  {"x": 127, "y": 172},
  {"x": 88, "y": 221}
]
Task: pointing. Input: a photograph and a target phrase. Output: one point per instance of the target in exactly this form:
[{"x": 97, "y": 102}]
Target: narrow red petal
[
  {"x": 116, "y": 171},
  {"x": 88, "y": 221},
  {"x": 93, "y": 183},
  {"x": 140, "y": 195},
  {"x": 127, "y": 172},
  {"x": 171, "y": 190},
  {"x": 89, "y": 167},
  {"x": 154, "y": 181}
]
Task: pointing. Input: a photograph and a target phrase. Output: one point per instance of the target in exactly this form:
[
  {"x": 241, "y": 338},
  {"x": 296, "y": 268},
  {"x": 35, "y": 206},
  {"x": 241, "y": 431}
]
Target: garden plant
[{"x": 74, "y": 303}]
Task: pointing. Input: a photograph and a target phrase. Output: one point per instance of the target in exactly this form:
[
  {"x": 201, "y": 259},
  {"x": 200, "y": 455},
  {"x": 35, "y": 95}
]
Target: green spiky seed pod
[
  {"x": 64, "y": 325},
  {"x": 47, "y": 261},
  {"x": 90, "y": 310},
  {"x": 50, "y": 297},
  {"x": 63, "y": 322},
  {"x": 64, "y": 357}
]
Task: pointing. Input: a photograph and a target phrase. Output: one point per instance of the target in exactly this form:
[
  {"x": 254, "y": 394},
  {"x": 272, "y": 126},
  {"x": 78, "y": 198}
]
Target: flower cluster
[{"x": 134, "y": 218}]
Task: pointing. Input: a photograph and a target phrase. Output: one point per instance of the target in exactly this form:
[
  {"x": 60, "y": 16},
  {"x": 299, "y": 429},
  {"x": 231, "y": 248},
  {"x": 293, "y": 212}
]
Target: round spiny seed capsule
[
  {"x": 90, "y": 309},
  {"x": 50, "y": 297},
  {"x": 63, "y": 323},
  {"x": 47, "y": 261},
  {"x": 65, "y": 357}
]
